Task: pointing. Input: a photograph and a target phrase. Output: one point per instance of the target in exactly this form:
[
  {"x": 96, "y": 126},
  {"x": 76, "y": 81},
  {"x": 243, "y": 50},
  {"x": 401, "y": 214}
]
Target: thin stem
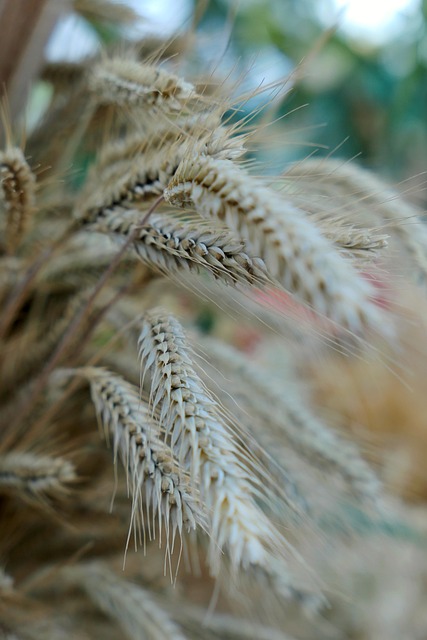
[
  {"x": 75, "y": 325},
  {"x": 21, "y": 290}
]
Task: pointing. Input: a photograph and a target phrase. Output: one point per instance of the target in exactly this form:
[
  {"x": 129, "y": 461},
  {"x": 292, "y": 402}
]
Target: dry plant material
[
  {"x": 125, "y": 83},
  {"x": 205, "y": 445},
  {"x": 37, "y": 477},
  {"x": 17, "y": 184},
  {"x": 172, "y": 245},
  {"x": 222, "y": 457},
  {"x": 293, "y": 249},
  {"x": 151, "y": 470},
  {"x": 129, "y": 605},
  {"x": 356, "y": 195}
]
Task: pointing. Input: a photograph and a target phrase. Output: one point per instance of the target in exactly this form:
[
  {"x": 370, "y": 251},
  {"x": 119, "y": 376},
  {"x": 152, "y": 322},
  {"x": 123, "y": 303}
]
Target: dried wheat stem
[
  {"x": 68, "y": 336},
  {"x": 17, "y": 194},
  {"x": 204, "y": 445},
  {"x": 31, "y": 475},
  {"x": 293, "y": 249},
  {"x": 131, "y": 606},
  {"x": 125, "y": 83},
  {"x": 151, "y": 469},
  {"x": 172, "y": 245}
]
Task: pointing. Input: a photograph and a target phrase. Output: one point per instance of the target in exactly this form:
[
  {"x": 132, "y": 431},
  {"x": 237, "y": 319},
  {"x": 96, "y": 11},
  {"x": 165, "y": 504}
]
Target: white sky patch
[
  {"x": 73, "y": 39},
  {"x": 377, "y": 21}
]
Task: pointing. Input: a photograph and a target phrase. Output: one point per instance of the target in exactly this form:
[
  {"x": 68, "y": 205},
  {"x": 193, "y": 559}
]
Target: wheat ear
[
  {"x": 34, "y": 476},
  {"x": 292, "y": 248},
  {"x": 131, "y": 606},
  {"x": 151, "y": 470},
  {"x": 18, "y": 194},
  {"x": 171, "y": 245},
  {"x": 125, "y": 83},
  {"x": 205, "y": 445}
]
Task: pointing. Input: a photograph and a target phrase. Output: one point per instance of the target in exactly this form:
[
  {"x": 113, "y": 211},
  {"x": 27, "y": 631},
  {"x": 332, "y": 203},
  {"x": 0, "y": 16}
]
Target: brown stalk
[{"x": 75, "y": 325}]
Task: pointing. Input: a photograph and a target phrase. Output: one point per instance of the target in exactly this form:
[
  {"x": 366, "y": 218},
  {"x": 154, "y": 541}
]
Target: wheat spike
[
  {"x": 151, "y": 469},
  {"x": 17, "y": 194},
  {"x": 213, "y": 138},
  {"x": 293, "y": 249},
  {"x": 33, "y": 476},
  {"x": 207, "y": 448},
  {"x": 130, "y": 605},
  {"x": 171, "y": 245},
  {"x": 137, "y": 169},
  {"x": 125, "y": 83}
]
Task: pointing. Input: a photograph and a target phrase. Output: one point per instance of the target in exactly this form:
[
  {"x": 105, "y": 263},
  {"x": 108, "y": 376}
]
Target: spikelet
[
  {"x": 171, "y": 245},
  {"x": 36, "y": 477},
  {"x": 17, "y": 194},
  {"x": 204, "y": 444},
  {"x": 125, "y": 83},
  {"x": 151, "y": 470},
  {"x": 129, "y": 605},
  {"x": 292, "y": 248},
  {"x": 286, "y": 413}
]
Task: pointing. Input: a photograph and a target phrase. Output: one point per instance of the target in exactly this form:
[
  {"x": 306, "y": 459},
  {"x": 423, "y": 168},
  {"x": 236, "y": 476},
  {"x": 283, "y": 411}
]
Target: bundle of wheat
[{"x": 232, "y": 474}]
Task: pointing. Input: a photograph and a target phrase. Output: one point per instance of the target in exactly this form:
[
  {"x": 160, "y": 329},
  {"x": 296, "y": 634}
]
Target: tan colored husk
[{"x": 171, "y": 245}]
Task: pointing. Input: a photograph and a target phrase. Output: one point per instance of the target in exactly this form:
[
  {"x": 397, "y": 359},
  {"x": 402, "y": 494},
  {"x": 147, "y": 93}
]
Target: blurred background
[{"x": 362, "y": 90}]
